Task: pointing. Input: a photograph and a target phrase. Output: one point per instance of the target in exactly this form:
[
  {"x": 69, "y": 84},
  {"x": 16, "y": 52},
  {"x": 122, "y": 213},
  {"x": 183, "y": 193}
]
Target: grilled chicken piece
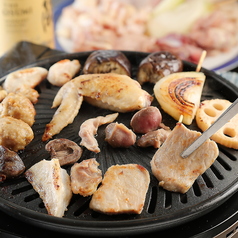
[
  {"x": 3, "y": 93},
  {"x": 110, "y": 91},
  {"x": 123, "y": 190},
  {"x": 158, "y": 65},
  {"x": 89, "y": 128},
  {"x": 15, "y": 134},
  {"x": 107, "y": 61},
  {"x": 11, "y": 164},
  {"x": 113, "y": 91},
  {"x": 175, "y": 173},
  {"x": 85, "y": 177},
  {"x": 118, "y": 135},
  {"x": 66, "y": 151},
  {"x": 18, "y": 106},
  {"x": 153, "y": 138},
  {"x": 180, "y": 93},
  {"x": 53, "y": 185},
  {"x": 24, "y": 81},
  {"x": 70, "y": 102},
  {"x": 63, "y": 71}
]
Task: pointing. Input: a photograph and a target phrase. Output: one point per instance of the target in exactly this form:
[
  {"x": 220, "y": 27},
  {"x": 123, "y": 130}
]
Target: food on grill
[
  {"x": 85, "y": 177},
  {"x": 107, "y": 61},
  {"x": 18, "y": 106},
  {"x": 110, "y": 91},
  {"x": 158, "y": 65},
  {"x": 118, "y": 135},
  {"x": 89, "y": 128},
  {"x": 66, "y": 151},
  {"x": 113, "y": 91},
  {"x": 53, "y": 185},
  {"x": 208, "y": 112},
  {"x": 15, "y": 133},
  {"x": 180, "y": 93},
  {"x": 145, "y": 120},
  {"x": 3, "y": 93},
  {"x": 63, "y": 71},
  {"x": 24, "y": 81},
  {"x": 153, "y": 138},
  {"x": 123, "y": 190},
  {"x": 11, "y": 164},
  {"x": 175, "y": 173},
  {"x": 70, "y": 100}
]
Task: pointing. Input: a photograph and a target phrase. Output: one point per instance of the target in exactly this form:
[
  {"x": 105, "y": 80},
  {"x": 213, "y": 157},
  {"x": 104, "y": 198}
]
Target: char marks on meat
[
  {"x": 176, "y": 173},
  {"x": 123, "y": 190},
  {"x": 53, "y": 185},
  {"x": 11, "y": 164},
  {"x": 89, "y": 128},
  {"x": 85, "y": 177}
]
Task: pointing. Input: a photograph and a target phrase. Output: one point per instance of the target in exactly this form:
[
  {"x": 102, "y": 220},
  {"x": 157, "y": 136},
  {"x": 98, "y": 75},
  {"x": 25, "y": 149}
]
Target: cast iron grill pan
[{"x": 163, "y": 209}]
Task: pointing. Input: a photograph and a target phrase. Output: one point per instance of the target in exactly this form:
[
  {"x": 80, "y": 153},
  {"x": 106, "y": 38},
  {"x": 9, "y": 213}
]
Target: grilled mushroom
[
  {"x": 107, "y": 61},
  {"x": 157, "y": 65},
  {"x": 11, "y": 164},
  {"x": 66, "y": 151}
]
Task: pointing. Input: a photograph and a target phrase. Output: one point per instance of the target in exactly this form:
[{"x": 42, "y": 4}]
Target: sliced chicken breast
[
  {"x": 123, "y": 190},
  {"x": 175, "y": 173}
]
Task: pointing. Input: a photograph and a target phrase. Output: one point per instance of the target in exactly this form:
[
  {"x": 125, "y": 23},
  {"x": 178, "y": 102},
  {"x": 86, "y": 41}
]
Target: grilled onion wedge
[{"x": 180, "y": 94}]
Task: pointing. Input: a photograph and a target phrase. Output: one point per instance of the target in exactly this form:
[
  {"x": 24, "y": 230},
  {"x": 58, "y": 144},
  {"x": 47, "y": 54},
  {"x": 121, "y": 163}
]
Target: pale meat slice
[
  {"x": 70, "y": 101},
  {"x": 53, "y": 185},
  {"x": 85, "y": 177},
  {"x": 63, "y": 71},
  {"x": 24, "y": 81},
  {"x": 89, "y": 128},
  {"x": 18, "y": 106},
  {"x": 175, "y": 173},
  {"x": 113, "y": 91},
  {"x": 123, "y": 190}
]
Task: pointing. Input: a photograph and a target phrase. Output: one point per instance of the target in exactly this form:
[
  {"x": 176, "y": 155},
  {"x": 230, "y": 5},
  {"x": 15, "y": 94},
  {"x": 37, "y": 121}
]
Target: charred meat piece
[
  {"x": 145, "y": 120},
  {"x": 63, "y": 71},
  {"x": 11, "y": 164},
  {"x": 107, "y": 61},
  {"x": 15, "y": 133},
  {"x": 53, "y": 185},
  {"x": 18, "y": 106},
  {"x": 175, "y": 173},
  {"x": 153, "y": 138},
  {"x": 118, "y": 135},
  {"x": 123, "y": 190},
  {"x": 85, "y": 177},
  {"x": 66, "y": 151},
  {"x": 89, "y": 128},
  {"x": 157, "y": 65}
]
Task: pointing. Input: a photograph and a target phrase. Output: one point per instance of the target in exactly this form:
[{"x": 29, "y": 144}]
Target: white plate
[{"x": 222, "y": 63}]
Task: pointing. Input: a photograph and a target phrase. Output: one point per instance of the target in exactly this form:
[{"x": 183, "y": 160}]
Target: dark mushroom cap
[{"x": 66, "y": 151}]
